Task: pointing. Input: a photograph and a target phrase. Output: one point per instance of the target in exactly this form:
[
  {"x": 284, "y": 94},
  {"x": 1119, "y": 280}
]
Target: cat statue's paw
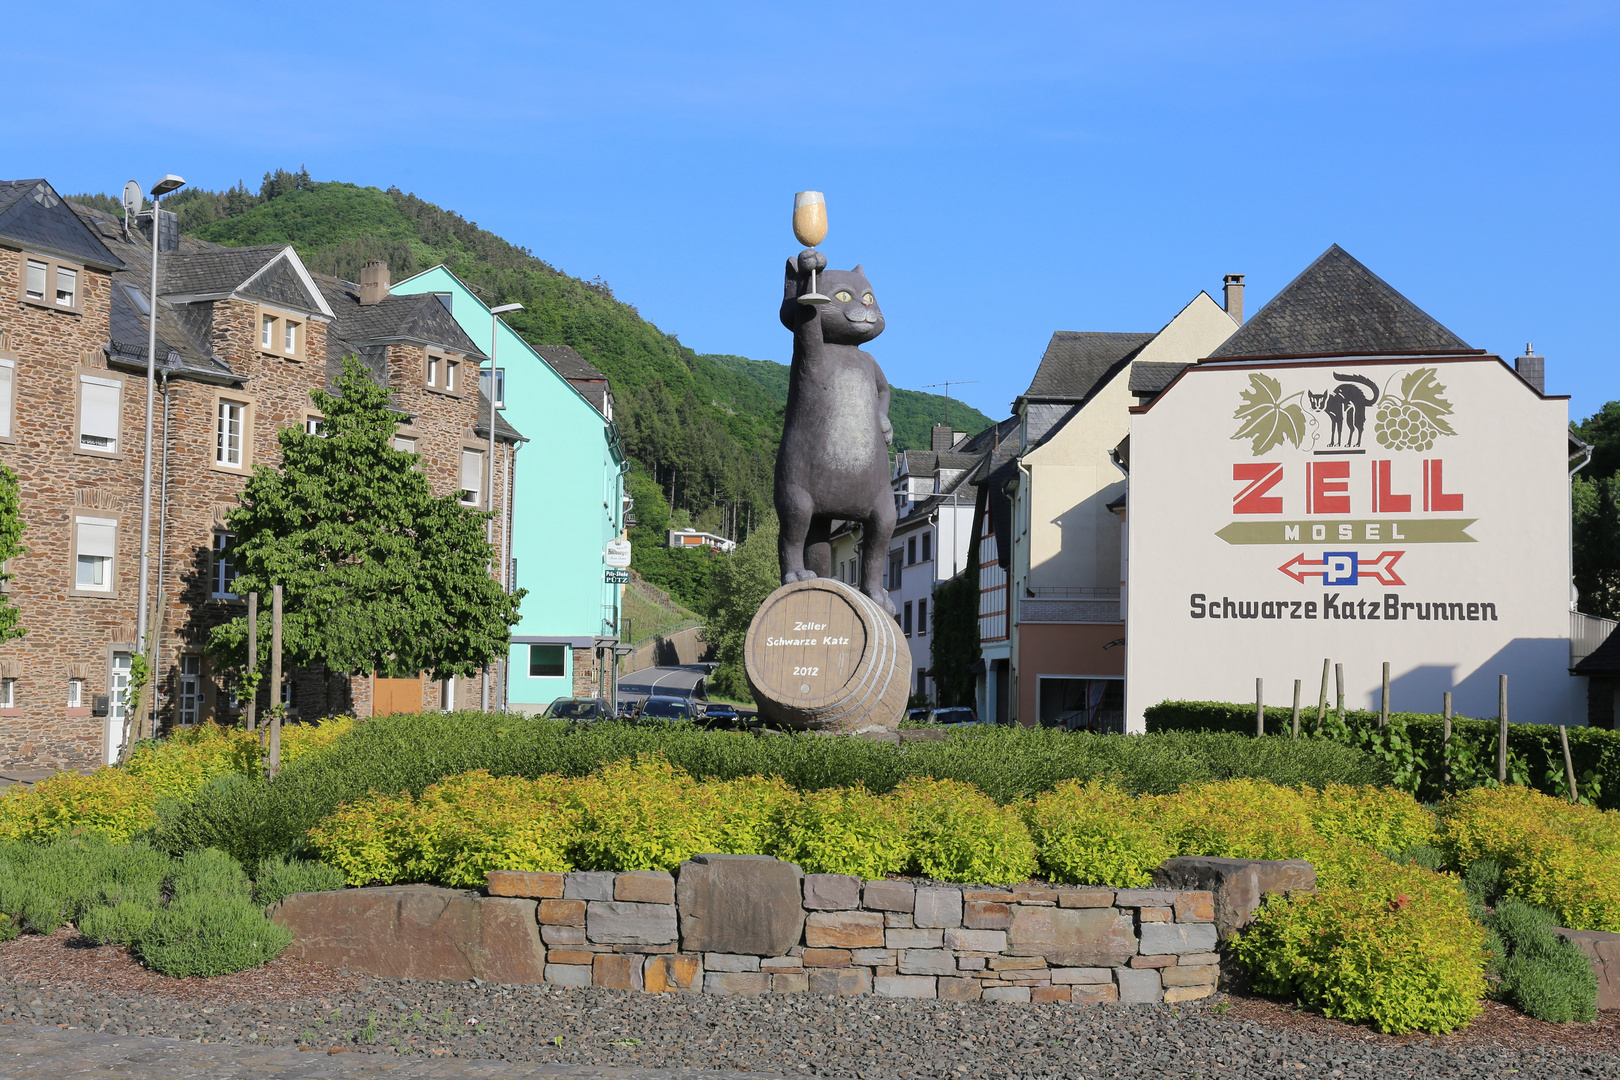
[
  {"x": 797, "y": 575},
  {"x": 881, "y": 596}
]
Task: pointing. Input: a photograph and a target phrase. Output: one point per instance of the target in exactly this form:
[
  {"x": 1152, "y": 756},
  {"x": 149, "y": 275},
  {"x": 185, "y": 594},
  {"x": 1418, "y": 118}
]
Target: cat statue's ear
[
  {"x": 858, "y": 270},
  {"x": 790, "y": 284}
]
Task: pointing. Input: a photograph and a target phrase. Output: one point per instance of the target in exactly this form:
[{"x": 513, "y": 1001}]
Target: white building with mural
[{"x": 1345, "y": 479}]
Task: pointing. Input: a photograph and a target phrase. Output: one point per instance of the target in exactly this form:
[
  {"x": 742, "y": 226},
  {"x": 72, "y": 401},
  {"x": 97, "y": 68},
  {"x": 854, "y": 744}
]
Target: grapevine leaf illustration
[
  {"x": 1422, "y": 390},
  {"x": 1265, "y": 418}
]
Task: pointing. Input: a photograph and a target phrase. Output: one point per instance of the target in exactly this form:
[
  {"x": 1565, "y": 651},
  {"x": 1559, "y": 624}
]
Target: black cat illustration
[
  {"x": 1346, "y": 408},
  {"x": 834, "y": 463}
]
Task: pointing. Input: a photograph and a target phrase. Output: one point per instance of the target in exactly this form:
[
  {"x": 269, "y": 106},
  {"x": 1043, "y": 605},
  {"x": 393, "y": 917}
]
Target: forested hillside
[{"x": 705, "y": 428}]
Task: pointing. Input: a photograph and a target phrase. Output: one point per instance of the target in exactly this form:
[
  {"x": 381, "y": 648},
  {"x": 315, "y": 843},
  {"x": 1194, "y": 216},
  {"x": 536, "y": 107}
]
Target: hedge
[{"x": 1411, "y": 746}]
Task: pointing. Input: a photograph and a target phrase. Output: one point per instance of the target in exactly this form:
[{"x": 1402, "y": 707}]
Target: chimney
[
  {"x": 943, "y": 438},
  {"x": 373, "y": 282},
  {"x": 1532, "y": 368},
  {"x": 1234, "y": 297}
]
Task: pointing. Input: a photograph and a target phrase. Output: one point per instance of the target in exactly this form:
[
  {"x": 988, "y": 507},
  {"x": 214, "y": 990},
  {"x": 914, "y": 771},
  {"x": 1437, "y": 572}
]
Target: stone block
[
  {"x": 645, "y": 887},
  {"x": 781, "y": 963},
  {"x": 790, "y": 982},
  {"x": 1008, "y": 963},
  {"x": 1164, "y": 961},
  {"x": 937, "y": 907},
  {"x": 562, "y": 935},
  {"x": 589, "y": 885},
  {"x": 913, "y": 939},
  {"x": 970, "y": 963},
  {"x": 888, "y": 896},
  {"x": 1048, "y": 994},
  {"x": 572, "y": 956},
  {"x": 1072, "y": 937},
  {"x": 736, "y": 982},
  {"x": 568, "y": 974},
  {"x": 416, "y": 932},
  {"x": 1025, "y": 894},
  {"x": 1196, "y": 958},
  {"x": 667, "y": 947},
  {"x": 1138, "y": 985},
  {"x": 680, "y": 973},
  {"x": 1602, "y": 948},
  {"x": 845, "y": 982},
  {"x": 562, "y": 912},
  {"x": 1203, "y": 975},
  {"x": 1187, "y": 993},
  {"x": 617, "y": 971},
  {"x": 533, "y": 884},
  {"x": 985, "y": 941},
  {"x": 1076, "y": 976},
  {"x": 926, "y": 962},
  {"x": 843, "y": 930},
  {"x": 872, "y": 957},
  {"x": 988, "y": 896},
  {"x": 1195, "y": 907},
  {"x": 1177, "y": 938},
  {"x": 730, "y": 962},
  {"x": 957, "y": 989},
  {"x": 904, "y": 986},
  {"x": 986, "y": 915},
  {"x": 819, "y": 958},
  {"x": 1093, "y": 993},
  {"x": 613, "y": 921},
  {"x": 740, "y": 904},
  {"x": 900, "y": 920},
  {"x": 1156, "y": 914},
  {"x": 832, "y": 892},
  {"x": 1237, "y": 885},
  {"x": 1139, "y": 898},
  {"x": 1006, "y": 993},
  {"x": 1081, "y": 898}
]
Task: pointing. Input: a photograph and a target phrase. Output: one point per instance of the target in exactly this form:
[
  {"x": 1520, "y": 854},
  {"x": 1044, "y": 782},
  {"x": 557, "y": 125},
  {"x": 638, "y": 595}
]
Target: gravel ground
[{"x": 794, "y": 1035}]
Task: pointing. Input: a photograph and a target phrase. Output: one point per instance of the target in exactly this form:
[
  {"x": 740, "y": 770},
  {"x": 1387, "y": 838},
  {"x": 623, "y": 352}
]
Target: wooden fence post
[
  {"x": 1569, "y": 765},
  {"x": 1383, "y": 709},
  {"x": 252, "y": 713},
  {"x": 1321, "y": 704},
  {"x": 1338, "y": 680},
  {"x": 1445, "y": 740},
  {"x": 275, "y": 681},
  {"x": 1296, "y": 708},
  {"x": 1259, "y": 707},
  {"x": 1501, "y": 730}
]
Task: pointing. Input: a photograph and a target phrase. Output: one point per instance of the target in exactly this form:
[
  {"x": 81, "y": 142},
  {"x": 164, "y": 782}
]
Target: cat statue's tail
[{"x": 1364, "y": 381}]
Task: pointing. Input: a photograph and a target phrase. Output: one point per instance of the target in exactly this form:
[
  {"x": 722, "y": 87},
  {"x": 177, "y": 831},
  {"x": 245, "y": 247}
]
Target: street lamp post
[
  {"x": 168, "y": 183},
  {"x": 495, "y": 314}
]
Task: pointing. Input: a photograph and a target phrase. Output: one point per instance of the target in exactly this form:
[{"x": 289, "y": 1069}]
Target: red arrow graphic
[{"x": 1381, "y": 569}]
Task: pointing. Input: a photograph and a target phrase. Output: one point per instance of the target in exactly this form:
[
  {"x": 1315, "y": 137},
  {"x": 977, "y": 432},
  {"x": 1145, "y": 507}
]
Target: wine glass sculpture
[{"x": 810, "y": 227}]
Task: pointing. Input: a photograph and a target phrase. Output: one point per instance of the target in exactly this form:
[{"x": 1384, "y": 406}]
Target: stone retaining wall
[{"x": 743, "y": 924}]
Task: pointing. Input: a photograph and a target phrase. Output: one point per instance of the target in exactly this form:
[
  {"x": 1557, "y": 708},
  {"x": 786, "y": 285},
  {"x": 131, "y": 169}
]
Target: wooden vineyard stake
[
  {"x": 1569, "y": 765},
  {"x": 1259, "y": 707},
  {"x": 275, "y": 682},
  {"x": 1296, "y": 709},
  {"x": 1501, "y": 730},
  {"x": 1445, "y": 740},
  {"x": 1338, "y": 682},
  {"x": 1321, "y": 704},
  {"x": 1383, "y": 709},
  {"x": 252, "y": 711}
]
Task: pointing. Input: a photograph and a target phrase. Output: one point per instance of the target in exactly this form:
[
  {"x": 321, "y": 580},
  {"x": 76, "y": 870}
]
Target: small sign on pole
[
  {"x": 616, "y": 577},
  {"x": 617, "y": 553}
]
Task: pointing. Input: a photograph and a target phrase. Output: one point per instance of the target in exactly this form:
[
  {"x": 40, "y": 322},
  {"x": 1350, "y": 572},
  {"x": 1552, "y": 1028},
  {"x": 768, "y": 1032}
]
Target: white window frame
[
  {"x": 477, "y": 490},
  {"x": 267, "y": 331},
  {"x": 219, "y": 566},
  {"x": 8, "y": 693},
  {"x": 116, "y": 438},
  {"x": 75, "y": 694},
  {"x": 52, "y": 269},
  {"x": 291, "y": 331},
  {"x": 222, "y": 434},
  {"x": 109, "y": 561},
  {"x": 493, "y": 385},
  {"x": 409, "y": 442},
  {"x": 315, "y": 424},
  {"x": 447, "y": 694},
  {"x": 450, "y": 369},
  {"x": 190, "y": 697},
  {"x": 8, "y": 398},
  {"x": 431, "y": 376}
]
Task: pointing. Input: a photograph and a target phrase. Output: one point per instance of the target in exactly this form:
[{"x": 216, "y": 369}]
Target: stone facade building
[{"x": 244, "y": 335}]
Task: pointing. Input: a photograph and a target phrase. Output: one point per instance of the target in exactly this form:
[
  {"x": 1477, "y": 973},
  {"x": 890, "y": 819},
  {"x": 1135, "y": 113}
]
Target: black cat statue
[{"x": 833, "y": 463}]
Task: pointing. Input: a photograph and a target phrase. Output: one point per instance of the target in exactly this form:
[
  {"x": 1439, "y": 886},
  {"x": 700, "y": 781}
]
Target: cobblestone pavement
[{"x": 29, "y": 1052}]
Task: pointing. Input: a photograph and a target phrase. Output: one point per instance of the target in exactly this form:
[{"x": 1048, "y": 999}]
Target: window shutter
[
  {"x": 7, "y": 381},
  {"x": 472, "y": 470},
  {"x": 97, "y": 537},
  {"x": 98, "y": 407}
]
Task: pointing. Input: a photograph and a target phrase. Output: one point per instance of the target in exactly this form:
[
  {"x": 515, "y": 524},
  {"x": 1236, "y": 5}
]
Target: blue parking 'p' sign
[{"x": 1339, "y": 568}]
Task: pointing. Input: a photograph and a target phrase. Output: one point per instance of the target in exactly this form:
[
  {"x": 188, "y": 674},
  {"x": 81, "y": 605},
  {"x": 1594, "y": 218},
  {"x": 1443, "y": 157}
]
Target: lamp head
[
  {"x": 169, "y": 183},
  {"x": 504, "y": 308}
]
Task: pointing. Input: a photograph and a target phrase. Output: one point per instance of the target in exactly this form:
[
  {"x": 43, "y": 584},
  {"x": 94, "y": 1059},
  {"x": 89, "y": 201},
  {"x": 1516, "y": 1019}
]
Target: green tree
[
  {"x": 378, "y": 573},
  {"x": 739, "y": 585},
  {"x": 1596, "y": 506},
  {"x": 956, "y": 637},
  {"x": 11, "y": 530}
]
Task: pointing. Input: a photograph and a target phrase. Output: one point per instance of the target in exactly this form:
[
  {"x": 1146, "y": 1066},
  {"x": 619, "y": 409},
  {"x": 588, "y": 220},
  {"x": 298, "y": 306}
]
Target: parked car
[
  {"x": 719, "y": 714},
  {"x": 567, "y": 708},
  {"x": 955, "y": 716},
  {"x": 667, "y": 708}
]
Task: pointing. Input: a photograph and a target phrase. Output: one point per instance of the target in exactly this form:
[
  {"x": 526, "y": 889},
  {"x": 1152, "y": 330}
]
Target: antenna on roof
[
  {"x": 947, "y": 386},
  {"x": 132, "y": 204}
]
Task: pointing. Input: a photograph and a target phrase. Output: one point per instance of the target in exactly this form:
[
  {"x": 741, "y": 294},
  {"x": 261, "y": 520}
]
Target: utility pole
[{"x": 947, "y": 385}]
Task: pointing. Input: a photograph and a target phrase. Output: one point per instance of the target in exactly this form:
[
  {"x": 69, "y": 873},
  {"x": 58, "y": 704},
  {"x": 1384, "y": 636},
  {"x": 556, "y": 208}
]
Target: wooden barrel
[{"x": 823, "y": 655}]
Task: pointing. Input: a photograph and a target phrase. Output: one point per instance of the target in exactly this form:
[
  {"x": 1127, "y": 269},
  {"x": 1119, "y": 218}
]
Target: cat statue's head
[
  {"x": 852, "y": 318},
  {"x": 1318, "y": 401}
]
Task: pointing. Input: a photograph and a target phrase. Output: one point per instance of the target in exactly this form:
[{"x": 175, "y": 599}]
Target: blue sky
[{"x": 1002, "y": 171}]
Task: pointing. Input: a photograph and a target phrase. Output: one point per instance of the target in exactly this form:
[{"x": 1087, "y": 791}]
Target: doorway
[{"x": 117, "y": 705}]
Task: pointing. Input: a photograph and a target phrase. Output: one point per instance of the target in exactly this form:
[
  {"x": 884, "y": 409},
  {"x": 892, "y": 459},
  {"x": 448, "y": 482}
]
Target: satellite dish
[{"x": 132, "y": 200}]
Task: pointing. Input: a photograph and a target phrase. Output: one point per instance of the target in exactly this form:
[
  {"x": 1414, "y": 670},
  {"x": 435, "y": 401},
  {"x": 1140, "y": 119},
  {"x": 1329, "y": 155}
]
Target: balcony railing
[
  {"x": 1087, "y": 592},
  {"x": 1586, "y": 633}
]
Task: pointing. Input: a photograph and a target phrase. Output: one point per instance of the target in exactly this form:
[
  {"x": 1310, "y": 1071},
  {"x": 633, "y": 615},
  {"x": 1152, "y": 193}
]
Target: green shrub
[
  {"x": 1544, "y": 975},
  {"x": 210, "y": 933},
  {"x": 280, "y": 877},
  {"x": 43, "y": 886},
  {"x": 643, "y": 814},
  {"x": 209, "y": 872},
  {"x": 109, "y": 802},
  {"x": 844, "y": 831},
  {"x": 955, "y": 832},
  {"x": 1394, "y": 946},
  {"x": 1093, "y": 833},
  {"x": 122, "y": 924}
]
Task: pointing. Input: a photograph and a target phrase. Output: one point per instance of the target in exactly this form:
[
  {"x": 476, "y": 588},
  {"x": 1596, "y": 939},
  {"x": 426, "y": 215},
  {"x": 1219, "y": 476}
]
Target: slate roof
[
  {"x": 504, "y": 432},
  {"x": 414, "y": 317},
  {"x": 1152, "y": 376},
  {"x": 569, "y": 364},
  {"x": 1337, "y": 305},
  {"x": 219, "y": 270},
  {"x": 1077, "y": 362},
  {"x": 34, "y": 215}
]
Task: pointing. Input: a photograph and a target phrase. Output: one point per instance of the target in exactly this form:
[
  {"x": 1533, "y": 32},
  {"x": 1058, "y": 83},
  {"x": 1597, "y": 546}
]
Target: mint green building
[{"x": 568, "y": 503}]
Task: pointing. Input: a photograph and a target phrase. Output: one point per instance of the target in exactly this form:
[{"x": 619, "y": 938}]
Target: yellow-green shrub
[
  {"x": 1561, "y": 857},
  {"x": 957, "y": 833},
  {"x": 299, "y": 741},
  {"x": 191, "y": 756},
  {"x": 844, "y": 831},
  {"x": 644, "y": 814},
  {"x": 1395, "y": 946},
  {"x": 109, "y": 802},
  {"x": 751, "y": 812},
  {"x": 367, "y": 840},
  {"x": 1093, "y": 833},
  {"x": 1385, "y": 818}
]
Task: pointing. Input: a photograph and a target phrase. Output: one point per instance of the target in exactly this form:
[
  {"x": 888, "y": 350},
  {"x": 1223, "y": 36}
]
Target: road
[{"x": 684, "y": 681}]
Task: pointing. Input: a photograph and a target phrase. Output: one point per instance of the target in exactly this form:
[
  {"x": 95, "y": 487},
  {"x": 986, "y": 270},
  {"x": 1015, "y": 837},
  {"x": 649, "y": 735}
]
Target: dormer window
[
  {"x": 442, "y": 373},
  {"x": 450, "y": 367},
  {"x": 435, "y": 365},
  {"x": 290, "y": 332},
  {"x": 281, "y": 334},
  {"x": 50, "y": 283},
  {"x": 267, "y": 332}
]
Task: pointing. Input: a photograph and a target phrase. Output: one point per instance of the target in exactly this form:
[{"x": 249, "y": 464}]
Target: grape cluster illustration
[{"x": 1416, "y": 417}]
